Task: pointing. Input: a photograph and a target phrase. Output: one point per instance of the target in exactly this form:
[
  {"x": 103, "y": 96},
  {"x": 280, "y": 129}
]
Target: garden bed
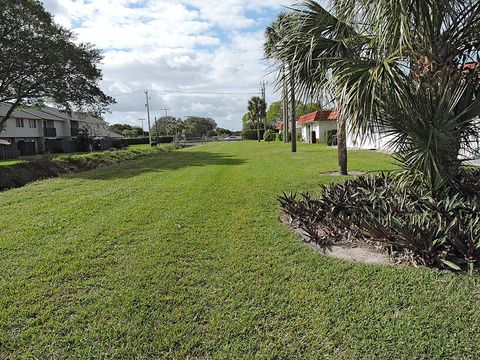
[{"x": 397, "y": 215}]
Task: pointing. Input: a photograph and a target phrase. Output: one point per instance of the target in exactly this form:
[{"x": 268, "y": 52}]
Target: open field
[{"x": 181, "y": 255}]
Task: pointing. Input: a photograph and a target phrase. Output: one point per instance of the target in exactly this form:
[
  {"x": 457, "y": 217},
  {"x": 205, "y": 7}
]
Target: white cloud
[{"x": 180, "y": 45}]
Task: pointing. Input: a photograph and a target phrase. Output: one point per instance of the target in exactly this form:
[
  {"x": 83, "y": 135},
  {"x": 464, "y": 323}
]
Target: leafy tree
[
  {"x": 165, "y": 126},
  {"x": 126, "y": 130},
  {"x": 221, "y": 131},
  {"x": 40, "y": 61},
  {"x": 200, "y": 126},
  {"x": 275, "y": 111},
  {"x": 257, "y": 109}
]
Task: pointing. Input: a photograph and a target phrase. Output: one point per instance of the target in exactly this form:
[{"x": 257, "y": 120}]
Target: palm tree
[
  {"x": 257, "y": 109},
  {"x": 274, "y": 35},
  {"x": 396, "y": 68}
]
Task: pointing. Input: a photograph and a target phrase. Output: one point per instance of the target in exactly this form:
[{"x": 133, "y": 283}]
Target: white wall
[
  {"x": 319, "y": 127},
  {"x": 17, "y": 132}
]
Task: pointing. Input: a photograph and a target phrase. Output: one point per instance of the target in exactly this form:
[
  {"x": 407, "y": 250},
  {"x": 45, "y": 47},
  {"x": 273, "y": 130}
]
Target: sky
[{"x": 168, "y": 46}]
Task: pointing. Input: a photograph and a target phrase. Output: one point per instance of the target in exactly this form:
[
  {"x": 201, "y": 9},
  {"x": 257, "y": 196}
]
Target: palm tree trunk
[
  {"x": 258, "y": 129},
  {"x": 285, "y": 109},
  {"x": 342, "y": 147},
  {"x": 285, "y": 113},
  {"x": 293, "y": 119}
]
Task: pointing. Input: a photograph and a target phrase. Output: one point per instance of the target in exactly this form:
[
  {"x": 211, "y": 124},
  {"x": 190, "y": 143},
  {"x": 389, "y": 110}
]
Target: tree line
[{"x": 192, "y": 126}]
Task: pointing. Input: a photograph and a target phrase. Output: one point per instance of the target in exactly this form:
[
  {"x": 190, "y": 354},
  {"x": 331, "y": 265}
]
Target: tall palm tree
[
  {"x": 274, "y": 36},
  {"x": 257, "y": 109},
  {"x": 397, "y": 68}
]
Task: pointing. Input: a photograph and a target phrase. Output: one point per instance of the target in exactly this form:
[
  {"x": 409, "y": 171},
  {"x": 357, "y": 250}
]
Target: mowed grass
[{"x": 180, "y": 255}]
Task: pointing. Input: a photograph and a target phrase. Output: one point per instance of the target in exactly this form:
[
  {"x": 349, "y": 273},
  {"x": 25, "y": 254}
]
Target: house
[
  {"x": 28, "y": 130},
  {"x": 31, "y": 131},
  {"x": 315, "y": 125}
]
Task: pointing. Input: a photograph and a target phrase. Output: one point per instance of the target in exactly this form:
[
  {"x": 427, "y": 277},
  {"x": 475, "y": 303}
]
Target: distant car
[{"x": 231, "y": 138}]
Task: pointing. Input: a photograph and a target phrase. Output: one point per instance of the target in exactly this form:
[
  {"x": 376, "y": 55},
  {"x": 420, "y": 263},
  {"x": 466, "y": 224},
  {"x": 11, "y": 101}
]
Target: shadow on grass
[{"x": 160, "y": 162}]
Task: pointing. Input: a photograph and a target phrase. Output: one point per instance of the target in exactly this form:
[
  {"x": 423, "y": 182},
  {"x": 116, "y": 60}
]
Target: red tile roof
[
  {"x": 322, "y": 115},
  {"x": 279, "y": 126},
  {"x": 471, "y": 66}
]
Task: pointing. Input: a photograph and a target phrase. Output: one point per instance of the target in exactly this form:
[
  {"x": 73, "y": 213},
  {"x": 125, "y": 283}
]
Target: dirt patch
[
  {"x": 350, "y": 173},
  {"x": 349, "y": 252}
]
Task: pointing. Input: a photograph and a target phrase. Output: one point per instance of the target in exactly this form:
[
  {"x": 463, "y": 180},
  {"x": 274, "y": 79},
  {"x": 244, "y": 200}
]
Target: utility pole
[
  {"x": 166, "y": 116},
  {"x": 143, "y": 129},
  {"x": 147, "y": 105}
]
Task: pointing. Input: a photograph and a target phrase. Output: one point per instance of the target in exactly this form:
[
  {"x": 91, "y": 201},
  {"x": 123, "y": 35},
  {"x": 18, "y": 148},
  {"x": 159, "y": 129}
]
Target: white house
[{"x": 314, "y": 125}]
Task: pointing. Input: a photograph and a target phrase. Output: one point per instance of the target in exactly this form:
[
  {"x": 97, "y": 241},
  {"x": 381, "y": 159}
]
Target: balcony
[{"x": 49, "y": 132}]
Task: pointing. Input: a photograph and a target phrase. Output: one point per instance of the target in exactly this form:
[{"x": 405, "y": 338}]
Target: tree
[
  {"x": 295, "y": 30},
  {"x": 275, "y": 35},
  {"x": 257, "y": 109},
  {"x": 165, "y": 125},
  {"x": 126, "y": 130},
  {"x": 200, "y": 126},
  {"x": 222, "y": 131},
  {"x": 399, "y": 68},
  {"x": 40, "y": 61}
]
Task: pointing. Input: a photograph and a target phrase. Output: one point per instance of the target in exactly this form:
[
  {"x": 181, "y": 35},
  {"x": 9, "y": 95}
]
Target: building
[
  {"x": 31, "y": 131},
  {"x": 315, "y": 125}
]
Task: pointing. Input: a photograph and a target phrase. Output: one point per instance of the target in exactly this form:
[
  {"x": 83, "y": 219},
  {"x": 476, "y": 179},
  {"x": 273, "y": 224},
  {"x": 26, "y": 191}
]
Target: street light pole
[
  {"x": 143, "y": 129},
  {"x": 166, "y": 115}
]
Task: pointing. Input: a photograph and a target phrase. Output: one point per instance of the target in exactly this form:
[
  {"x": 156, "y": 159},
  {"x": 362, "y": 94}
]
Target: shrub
[
  {"x": 269, "y": 135},
  {"x": 280, "y": 135},
  {"x": 402, "y": 217},
  {"x": 331, "y": 137},
  {"x": 251, "y": 134}
]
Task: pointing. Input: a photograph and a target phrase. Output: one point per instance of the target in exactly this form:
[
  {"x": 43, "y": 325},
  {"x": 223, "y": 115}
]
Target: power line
[{"x": 188, "y": 92}]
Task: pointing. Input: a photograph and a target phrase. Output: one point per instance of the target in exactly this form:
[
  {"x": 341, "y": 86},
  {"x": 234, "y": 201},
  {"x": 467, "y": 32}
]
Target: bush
[
  {"x": 136, "y": 141},
  {"x": 280, "y": 135},
  {"x": 251, "y": 134},
  {"x": 165, "y": 139},
  {"x": 403, "y": 218},
  {"x": 269, "y": 135},
  {"x": 331, "y": 137}
]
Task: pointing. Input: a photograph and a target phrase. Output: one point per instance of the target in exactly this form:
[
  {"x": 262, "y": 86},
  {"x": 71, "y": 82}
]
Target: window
[
  {"x": 32, "y": 124},
  {"x": 20, "y": 123}
]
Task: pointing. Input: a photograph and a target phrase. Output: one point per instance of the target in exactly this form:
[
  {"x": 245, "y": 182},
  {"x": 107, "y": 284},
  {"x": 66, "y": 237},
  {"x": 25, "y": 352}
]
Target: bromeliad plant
[{"x": 404, "y": 219}]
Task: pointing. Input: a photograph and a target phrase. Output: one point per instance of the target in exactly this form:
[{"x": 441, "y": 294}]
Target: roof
[
  {"x": 63, "y": 115},
  {"x": 88, "y": 118},
  {"x": 471, "y": 66},
  {"x": 17, "y": 113},
  {"x": 279, "y": 126},
  {"x": 322, "y": 115},
  {"x": 40, "y": 113}
]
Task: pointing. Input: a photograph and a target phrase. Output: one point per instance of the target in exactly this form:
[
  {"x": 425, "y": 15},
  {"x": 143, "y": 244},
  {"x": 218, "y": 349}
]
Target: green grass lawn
[
  {"x": 9, "y": 162},
  {"x": 180, "y": 255}
]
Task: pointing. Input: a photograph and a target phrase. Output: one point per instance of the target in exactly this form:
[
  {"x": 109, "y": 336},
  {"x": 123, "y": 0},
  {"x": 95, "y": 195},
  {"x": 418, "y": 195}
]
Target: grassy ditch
[{"x": 23, "y": 173}]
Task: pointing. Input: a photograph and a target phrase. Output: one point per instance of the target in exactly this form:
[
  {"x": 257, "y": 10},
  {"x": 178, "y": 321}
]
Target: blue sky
[{"x": 176, "y": 45}]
